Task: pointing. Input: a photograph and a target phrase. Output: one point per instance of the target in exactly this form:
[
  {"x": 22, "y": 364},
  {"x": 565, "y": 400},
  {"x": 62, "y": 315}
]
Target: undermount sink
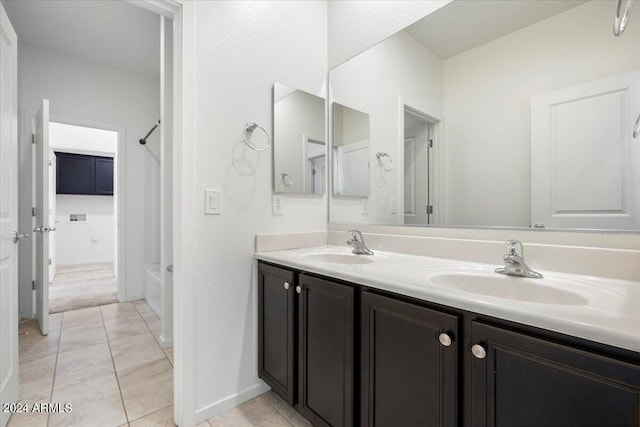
[
  {"x": 339, "y": 258},
  {"x": 508, "y": 287}
]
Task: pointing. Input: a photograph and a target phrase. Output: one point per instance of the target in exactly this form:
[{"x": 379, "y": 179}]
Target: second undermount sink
[
  {"x": 339, "y": 258},
  {"x": 508, "y": 287}
]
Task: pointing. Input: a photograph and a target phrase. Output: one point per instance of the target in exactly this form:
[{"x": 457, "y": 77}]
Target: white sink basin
[
  {"x": 508, "y": 287},
  {"x": 339, "y": 258}
]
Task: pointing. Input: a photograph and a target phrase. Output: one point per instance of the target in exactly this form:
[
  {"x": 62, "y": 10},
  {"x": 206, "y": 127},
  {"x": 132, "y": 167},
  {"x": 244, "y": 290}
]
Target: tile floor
[
  {"x": 106, "y": 362},
  {"x": 81, "y": 286}
]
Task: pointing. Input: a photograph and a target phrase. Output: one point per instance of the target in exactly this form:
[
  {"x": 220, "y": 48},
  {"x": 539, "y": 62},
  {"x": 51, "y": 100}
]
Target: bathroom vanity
[{"x": 403, "y": 340}]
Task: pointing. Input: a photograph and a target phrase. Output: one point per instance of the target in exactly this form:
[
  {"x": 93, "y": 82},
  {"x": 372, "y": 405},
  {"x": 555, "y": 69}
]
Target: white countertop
[{"x": 599, "y": 309}]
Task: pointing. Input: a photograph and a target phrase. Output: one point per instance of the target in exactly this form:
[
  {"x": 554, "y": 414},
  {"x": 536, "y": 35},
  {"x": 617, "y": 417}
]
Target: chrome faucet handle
[
  {"x": 514, "y": 247},
  {"x": 357, "y": 241},
  {"x": 356, "y": 235}
]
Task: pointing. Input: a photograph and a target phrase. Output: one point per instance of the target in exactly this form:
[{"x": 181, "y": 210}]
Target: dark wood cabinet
[
  {"x": 344, "y": 355},
  {"x": 276, "y": 323},
  {"x": 326, "y": 339},
  {"x": 528, "y": 381},
  {"x": 409, "y": 377},
  {"x": 82, "y": 174}
]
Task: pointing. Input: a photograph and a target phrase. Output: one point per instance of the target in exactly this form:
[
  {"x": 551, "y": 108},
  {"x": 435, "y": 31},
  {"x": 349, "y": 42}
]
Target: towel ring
[
  {"x": 636, "y": 128},
  {"x": 379, "y": 156},
  {"x": 620, "y": 21},
  {"x": 286, "y": 179},
  {"x": 248, "y": 130}
]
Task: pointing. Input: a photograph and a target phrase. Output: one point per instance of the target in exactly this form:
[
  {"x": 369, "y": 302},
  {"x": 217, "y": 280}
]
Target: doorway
[
  {"x": 419, "y": 167},
  {"x": 83, "y": 252}
]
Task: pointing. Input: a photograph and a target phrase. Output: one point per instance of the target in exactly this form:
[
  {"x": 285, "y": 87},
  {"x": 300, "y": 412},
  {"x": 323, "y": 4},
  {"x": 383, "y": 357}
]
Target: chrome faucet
[
  {"x": 514, "y": 264},
  {"x": 357, "y": 241}
]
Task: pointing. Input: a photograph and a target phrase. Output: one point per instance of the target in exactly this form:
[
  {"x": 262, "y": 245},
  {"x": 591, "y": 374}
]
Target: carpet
[{"x": 76, "y": 287}]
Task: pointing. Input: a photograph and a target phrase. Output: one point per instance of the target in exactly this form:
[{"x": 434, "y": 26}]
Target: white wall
[
  {"x": 84, "y": 242},
  {"x": 379, "y": 82},
  {"x": 86, "y": 91},
  {"x": 241, "y": 48},
  {"x": 356, "y": 25},
  {"x": 82, "y": 139},
  {"x": 488, "y": 125}
]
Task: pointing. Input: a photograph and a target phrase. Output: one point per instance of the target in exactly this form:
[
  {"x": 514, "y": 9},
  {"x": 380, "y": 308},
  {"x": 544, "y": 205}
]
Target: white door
[
  {"x": 416, "y": 174},
  {"x": 41, "y": 232},
  {"x": 8, "y": 214},
  {"x": 583, "y": 158},
  {"x": 353, "y": 169},
  {"x": 52, "y": 214}
]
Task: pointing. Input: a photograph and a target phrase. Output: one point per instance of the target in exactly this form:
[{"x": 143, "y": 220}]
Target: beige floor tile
[
  {"x": 33, "y": 345},
  {"x": 169, "y": 352},
  {"x": 123, "y": 328},
  {"x": 55, "y": 321},
  {"x": 162, "y": 418},
  {"x": 134, "y": 351},
  {"x": 142, "y": 306},
  {"x": 204, "y": 424},
  {"x": 36, "y": 376},
  {"x": 255, "y": 412},
  {"x": 94, "y": 403},
  {"x": 84, "y": 315},
  {"x": 31, "y": 419},
  {"x": 123, "y": 310},
  {"x": 287, "y": 411},
  {"x": 149, "y": 315},
  {"x": 82, "y": 335},
  {"x": 82, "y": 365},
  {"x": 147, "y": 388}
]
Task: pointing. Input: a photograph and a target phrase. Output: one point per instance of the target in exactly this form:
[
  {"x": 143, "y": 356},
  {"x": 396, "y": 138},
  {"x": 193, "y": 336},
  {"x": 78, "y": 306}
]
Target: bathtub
[{"x": 152, "y": 285}]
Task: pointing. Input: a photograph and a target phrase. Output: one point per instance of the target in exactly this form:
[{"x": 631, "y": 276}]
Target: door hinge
[
  {"x": 429, "y": 209},
  {"x": 431, "y": 143},
  {"x": 33, "y": 138},
  {"x": 33, "y": 285},
  {"x": 49, "y": 261},
  {"x": 33, "y": 211}
]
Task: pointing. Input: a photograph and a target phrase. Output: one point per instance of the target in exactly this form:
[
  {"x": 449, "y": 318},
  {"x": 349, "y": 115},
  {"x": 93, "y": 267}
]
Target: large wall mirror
[
  {"x": 499, "y": 113},
  {"x": 299, "y": 142}
]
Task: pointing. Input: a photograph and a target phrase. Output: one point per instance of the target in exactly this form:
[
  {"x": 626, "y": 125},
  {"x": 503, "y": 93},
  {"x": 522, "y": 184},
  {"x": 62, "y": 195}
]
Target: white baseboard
[
  {"x": 223, "y": 405},
  {"x": 165, "y": 342}
]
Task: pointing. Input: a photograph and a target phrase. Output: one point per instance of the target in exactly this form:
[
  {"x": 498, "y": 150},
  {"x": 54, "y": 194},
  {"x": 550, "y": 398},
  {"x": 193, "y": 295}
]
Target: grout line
[
  {"x": 115, "y": 371},
  {"x": 55, "y": 368},
  {"x": 278, "y": 410}
]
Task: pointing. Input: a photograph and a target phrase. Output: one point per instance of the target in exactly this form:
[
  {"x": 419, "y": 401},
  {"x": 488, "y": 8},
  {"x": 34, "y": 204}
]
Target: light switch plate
[
  {"x": 212, "y": 202},
  {"x": 364, "y": 206},
  {"x": 277, "y": 205}
]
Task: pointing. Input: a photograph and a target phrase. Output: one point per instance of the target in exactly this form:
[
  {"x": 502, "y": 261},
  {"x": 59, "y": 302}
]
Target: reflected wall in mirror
[
  {"x": 529, "y": 107},
  {"x": 299, "y": 143},
  {"x": 350, "y": 148}
]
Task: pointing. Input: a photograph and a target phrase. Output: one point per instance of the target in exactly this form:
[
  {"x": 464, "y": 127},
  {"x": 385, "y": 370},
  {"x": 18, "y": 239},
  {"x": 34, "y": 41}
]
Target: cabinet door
[
  {"x": 408, "y": 377},
  {"x": 276, "y": 321},
  {"x": 104, "y": 176},
  {"x": 74, "y": 174},
  {"x": 326, "y": 352},
  {"x": 526, "y": 381}
]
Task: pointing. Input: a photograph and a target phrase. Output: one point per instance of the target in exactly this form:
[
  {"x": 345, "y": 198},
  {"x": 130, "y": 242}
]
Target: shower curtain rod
[{"x": 144, "y": 140}]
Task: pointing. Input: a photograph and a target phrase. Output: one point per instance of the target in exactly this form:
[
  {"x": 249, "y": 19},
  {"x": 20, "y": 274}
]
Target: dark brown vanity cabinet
[
  {"x": 520, "y": 380},
  {"x": 276, "y": 337},
  {"x": 347, "y": 355},
  {"x": 306, "y": 343},
  {"x": 409, "y": 364}
]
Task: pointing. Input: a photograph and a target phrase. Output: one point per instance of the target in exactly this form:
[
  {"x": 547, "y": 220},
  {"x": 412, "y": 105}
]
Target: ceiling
[
  {"x": 115, "y": 33},
  {"x": 464, "y": 24}
]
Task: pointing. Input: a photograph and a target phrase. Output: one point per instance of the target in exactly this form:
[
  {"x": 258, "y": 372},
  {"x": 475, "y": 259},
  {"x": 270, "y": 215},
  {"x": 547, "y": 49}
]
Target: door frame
[
  {"x": 184, "y": 232},
  {"x": 119, "y": 164}
]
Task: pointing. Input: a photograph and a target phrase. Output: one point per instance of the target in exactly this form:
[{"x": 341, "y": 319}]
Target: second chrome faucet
[
  {"x": 514, "y": 264},
  {"x": 357, "y": 241}
]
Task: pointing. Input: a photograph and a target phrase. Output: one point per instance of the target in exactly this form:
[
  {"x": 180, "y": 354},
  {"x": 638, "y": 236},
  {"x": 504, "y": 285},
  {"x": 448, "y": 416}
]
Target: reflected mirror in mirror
[
  {"x": 501, "y": 113},
  {"x": 350, "y": 149},
  {"x": 299, "y": 143}
]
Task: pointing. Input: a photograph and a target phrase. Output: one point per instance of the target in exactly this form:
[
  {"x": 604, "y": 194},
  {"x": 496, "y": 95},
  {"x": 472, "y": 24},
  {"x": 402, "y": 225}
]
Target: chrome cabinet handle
[
  {"x": 445, "y": 339},
  {"x": 636, "y": 128},
  {"x": 19, "y": 237},
  {"x": 286, "y": 285},
  {"x": 478, "y": 351},
  {"x": 298, "y": 289}
]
